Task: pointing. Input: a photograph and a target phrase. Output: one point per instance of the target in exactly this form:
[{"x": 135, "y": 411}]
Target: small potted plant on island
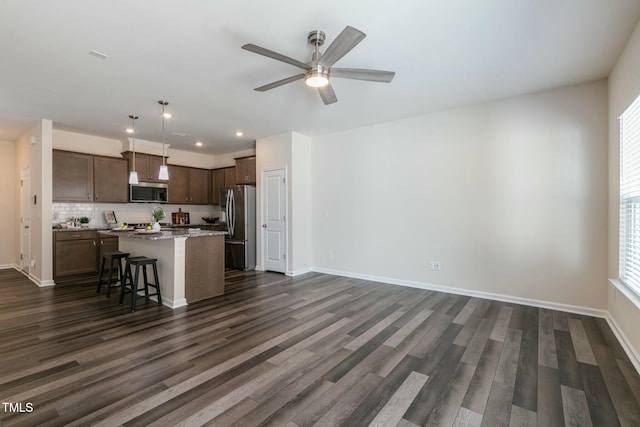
[
  {"x": 158, "y": 214},
  {"x": 84, "y": 221}
]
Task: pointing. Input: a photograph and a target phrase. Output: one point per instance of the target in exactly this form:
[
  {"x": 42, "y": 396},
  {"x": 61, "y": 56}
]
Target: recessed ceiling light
[
  {"x": 199, "y": 144},
  {"x": 129, "y": 130},
  {"x": 167, "y": 115},
  {"x": 98, "y": 54},
  {"x": 239, "y": 133}
]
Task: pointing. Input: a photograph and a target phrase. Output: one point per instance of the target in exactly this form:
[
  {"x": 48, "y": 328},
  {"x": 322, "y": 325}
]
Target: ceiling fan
[{"x": 320, "y": 69}]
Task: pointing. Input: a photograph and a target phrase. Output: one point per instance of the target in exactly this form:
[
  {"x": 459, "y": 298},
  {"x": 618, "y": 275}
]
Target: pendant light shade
[
  {"x": 164, "y": 170},
  {"x": 164, "y": 173},
  {"x": 133, "y": 175}
]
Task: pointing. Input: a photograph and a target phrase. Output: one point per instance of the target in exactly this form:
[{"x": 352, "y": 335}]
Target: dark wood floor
[{"x": 314, "y": 350}]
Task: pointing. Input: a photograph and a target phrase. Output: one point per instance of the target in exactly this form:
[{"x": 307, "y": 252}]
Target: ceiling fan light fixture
[{"x": 316, "y": 79}]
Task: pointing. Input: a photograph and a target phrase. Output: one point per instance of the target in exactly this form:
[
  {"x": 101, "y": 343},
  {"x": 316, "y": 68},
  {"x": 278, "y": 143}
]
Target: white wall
[
  {"x": 509, "y": 196},
  {"x": 624, "y": 87},
  {"x": 300, "y": 206},
  {"x": 10, "y": 196}
]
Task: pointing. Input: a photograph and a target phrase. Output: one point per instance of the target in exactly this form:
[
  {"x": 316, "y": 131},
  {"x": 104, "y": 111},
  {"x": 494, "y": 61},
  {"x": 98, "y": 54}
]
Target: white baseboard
[
  {"x": 300, "y": 271},
  {"x": 588, "y": 311},
  {"x": 633, "y": 354},
  {"x": 34, "y": 279},
  {"x": 472, "y": 293}
]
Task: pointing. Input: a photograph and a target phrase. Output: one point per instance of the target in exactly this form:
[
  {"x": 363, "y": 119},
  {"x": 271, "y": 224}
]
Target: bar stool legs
[
  {"x": 112, "y": 257},
  {"x": 130, "y": 284}
]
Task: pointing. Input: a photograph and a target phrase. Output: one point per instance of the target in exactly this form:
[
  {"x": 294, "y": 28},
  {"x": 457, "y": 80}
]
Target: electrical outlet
[{"x": 437, "y": 265}]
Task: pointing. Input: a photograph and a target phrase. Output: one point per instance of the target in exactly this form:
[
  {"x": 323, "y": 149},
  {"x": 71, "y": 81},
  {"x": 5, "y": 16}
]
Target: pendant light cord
[{"x": 133, "y": 139}]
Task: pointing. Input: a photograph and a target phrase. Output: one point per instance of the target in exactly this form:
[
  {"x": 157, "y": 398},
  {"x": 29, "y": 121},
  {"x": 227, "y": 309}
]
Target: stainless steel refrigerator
[{"x": 238, "y": 210}]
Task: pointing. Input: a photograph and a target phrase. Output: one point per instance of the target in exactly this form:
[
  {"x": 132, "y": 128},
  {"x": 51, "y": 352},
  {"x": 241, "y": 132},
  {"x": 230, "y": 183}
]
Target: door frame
[
  {"x": 25, "y": 212},
  {"x": 263, "y": 214}
]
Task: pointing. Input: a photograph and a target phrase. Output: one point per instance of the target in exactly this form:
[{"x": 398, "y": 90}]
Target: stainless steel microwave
[{"x": 149, "y": 192}]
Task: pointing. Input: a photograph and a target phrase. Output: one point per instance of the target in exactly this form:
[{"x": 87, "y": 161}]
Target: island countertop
[{"x": 164, "y": 235}]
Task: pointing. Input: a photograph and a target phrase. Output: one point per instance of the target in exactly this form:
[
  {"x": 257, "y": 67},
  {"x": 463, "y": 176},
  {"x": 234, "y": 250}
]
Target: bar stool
[
  {"x": 130, "y": 283},
  {"x": 111, "y": 257}
]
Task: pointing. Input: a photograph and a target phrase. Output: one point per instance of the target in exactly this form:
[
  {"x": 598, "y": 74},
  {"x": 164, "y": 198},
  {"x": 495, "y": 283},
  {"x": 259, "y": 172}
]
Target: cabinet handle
[
  {"x": 94, "y": 243},
  {"x": 75, "y": 235},
  {"x": 95, "y": 196},
  {"x": 101, "y": 242}
]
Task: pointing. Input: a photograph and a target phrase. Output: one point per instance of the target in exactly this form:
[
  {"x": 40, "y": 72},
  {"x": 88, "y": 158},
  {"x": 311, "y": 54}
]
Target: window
[{"x": 630, "y": 197}]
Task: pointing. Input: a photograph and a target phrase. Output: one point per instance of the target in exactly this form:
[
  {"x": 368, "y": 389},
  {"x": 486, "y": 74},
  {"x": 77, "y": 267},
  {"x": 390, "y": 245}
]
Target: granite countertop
[
  {"x": 165, "y": 235},
  {"x": 75, "y": 229}
]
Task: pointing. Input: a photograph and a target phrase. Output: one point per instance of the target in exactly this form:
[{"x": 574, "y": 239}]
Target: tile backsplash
[{"x": 131, "y": 212}]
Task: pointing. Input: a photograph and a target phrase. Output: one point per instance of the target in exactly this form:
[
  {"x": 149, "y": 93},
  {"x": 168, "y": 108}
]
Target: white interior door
[
  {"x": 25, "y": 219},
  {"x": 274, "y": 228}
]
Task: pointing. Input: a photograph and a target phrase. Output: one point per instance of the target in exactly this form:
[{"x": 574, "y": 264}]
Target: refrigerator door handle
[
  {"x": 232, "y": 212},
  {"x": 234, "y": 242}
]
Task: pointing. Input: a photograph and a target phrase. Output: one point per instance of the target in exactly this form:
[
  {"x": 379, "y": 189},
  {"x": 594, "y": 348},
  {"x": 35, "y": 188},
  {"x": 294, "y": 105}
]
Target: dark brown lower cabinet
[{"x": 77, "y": 254}]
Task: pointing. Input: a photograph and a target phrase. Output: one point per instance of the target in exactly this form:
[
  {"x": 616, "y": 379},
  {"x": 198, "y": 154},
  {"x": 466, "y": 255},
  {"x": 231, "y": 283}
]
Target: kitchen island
[{"x": 190, "y": 263}]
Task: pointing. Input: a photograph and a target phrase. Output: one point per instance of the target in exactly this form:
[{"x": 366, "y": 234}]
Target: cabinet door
[
  {"x": 110, "y": 182},
  {"x": 178, "y": 185},
  {"x": 198, "y": 186},
  {"x": 142, "y": 165},
  {"x": 229, "y": 176},
  {"x": 154, "y": 168},
  {"x": 246, "y": 170},
  {"x": 75, "y": 257},
  {"x": 72, "y": 177},
  {"x": 217, "y": 181}
]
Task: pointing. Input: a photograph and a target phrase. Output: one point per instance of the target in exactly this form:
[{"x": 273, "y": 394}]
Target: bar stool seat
[
  {"x": 130, "y": 284},
  {"x": 115, "y": 256}
]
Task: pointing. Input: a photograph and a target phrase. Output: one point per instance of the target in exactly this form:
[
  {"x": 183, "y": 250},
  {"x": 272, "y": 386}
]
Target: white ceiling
[{"x": 444, "y": 53}]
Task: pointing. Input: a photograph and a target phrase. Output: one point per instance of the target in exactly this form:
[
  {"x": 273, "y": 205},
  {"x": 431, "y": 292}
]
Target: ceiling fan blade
[
  {"x": 346, "y": 40},
  {"x": 279, "y": 83},
  {"x": 362, "y": 74},
  {"x": 327, "y": 94},
  {"x": 275, "y": 55}
]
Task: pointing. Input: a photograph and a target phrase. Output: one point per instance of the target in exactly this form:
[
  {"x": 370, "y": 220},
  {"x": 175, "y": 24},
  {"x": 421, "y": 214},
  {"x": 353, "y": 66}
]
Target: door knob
[{"x": 264, "y": 225}]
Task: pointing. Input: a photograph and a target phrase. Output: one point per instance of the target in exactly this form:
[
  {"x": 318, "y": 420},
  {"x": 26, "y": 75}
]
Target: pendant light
[
  {"x": 164, "y": 170},
  {"x": 133, "y": 175}
]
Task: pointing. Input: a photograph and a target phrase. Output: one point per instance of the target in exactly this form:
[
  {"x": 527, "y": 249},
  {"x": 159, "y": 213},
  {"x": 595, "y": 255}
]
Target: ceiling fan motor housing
[{"x": 316, "y": 37}]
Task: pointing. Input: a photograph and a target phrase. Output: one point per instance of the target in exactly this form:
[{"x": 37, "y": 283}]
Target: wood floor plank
[
  {"x": 521, "y": 417},
  {"x": 547, "y": 355},
  {"x": 626, "y": 405},
  {"x": 525, "y": 389},
  {"x": 499, "y": 331},
  {"x": 550, "y": 412},
  {"x": 477, "y": 393},
  {"x": 508, "y": 362},
  {"x": 576, "y": 410},
  {"x": 567, "y": 361},
  {"x": 467, "y": 418},
  {"x": 600, "y": 406},
  {"x": 581, "y": 345},
  {"x": 497, "y": 413},
  {"x": 392, "y": 412},
  {"x": 315, "y": 349}
]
